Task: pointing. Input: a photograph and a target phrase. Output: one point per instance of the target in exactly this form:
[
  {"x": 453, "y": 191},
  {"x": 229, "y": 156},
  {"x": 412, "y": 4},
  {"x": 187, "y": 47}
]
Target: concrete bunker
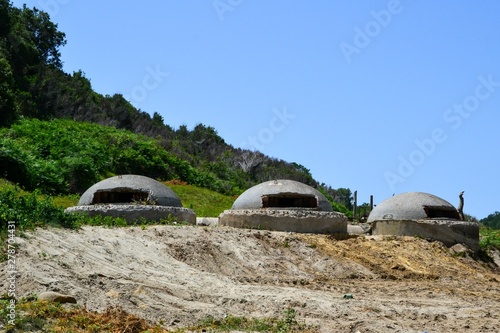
[
  {"x": 424, "y": 215},
  {"x": 284, "y": 205},
  {"x": 132, "y": 197}
]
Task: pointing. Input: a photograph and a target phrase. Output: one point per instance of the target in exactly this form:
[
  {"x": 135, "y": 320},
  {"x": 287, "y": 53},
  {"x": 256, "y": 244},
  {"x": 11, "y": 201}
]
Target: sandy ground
[{"x": 181, "y": 274}]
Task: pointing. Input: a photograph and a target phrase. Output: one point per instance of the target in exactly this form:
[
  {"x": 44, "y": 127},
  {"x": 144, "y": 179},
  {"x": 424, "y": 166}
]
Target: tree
[
  {"x": 7, "y": 98},
  {"x": 344, "y": 196},
  {"x": 158, "y": 119},
  {"x": 470, "y": 218},
  {"x": 29, "y": 46},
  {"x": 4, "y": 18},
  {"x": 492, "y": 220},
  {"x": 44, "y": 35},
  {"x": 363, "y": 210}
]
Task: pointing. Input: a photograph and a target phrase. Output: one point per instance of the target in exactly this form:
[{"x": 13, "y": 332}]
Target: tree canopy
[{"x": 492, "y": 220}]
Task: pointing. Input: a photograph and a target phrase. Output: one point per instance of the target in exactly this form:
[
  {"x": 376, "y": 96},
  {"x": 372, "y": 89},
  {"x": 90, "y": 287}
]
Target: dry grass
[
  {"x": 37, "y": 316},
  {"x": 33, "y": 316}
]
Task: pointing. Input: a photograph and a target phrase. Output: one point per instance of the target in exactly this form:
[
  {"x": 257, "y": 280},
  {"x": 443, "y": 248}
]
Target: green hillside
[
  {"x": 204, "y": 202},
  {"x": 64, "y": 156}
]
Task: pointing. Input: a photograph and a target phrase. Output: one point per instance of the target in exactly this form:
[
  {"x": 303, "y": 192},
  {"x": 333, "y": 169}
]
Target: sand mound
[{"x": 180, "y": 275}]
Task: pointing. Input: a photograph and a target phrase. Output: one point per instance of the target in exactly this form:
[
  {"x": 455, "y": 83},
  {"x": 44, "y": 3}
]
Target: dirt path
[{"x": 183, "y": 274}]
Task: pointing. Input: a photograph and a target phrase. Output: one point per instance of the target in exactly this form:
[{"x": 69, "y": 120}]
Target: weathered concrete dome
[
  {"x": 282, "y": 193},
  {"x": 413, "y": 206},
  {"x": 284, "y": 205},
  {"x": 132, "y": 197},
  {"x": 127, "y": 189},
  {"x": 424, "y": 215}
]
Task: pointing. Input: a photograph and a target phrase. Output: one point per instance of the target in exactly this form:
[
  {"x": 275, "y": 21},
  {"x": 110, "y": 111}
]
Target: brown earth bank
[{"x": 179, "y": 275}]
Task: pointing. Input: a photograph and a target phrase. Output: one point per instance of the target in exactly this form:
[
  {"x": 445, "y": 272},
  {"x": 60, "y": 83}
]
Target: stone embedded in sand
[
  {"x": 358, "y": 229},
  {"x": 113, "y": 294},
  {"x": 460, "y": 250},
  {"x": 284, "y": 205},
  {"x": 207, "y": 221},
  {"x": 132, "y": 197},
  {"x": 51, "y": 296},
  {"x": 424, "y": 215}
]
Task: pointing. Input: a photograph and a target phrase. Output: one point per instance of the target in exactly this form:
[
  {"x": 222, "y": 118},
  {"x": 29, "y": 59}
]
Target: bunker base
[
  {"x": 302, "y": 221},
  {"x": 450, "y": 232},
  {"x": 132, "y": 213}
]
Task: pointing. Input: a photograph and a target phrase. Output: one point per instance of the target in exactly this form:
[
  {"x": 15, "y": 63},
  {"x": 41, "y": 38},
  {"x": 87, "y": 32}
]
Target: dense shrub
[
  {"x": 63, "y": 156},
  {"x": 489, "y": 238},
  {"x": 30, "y": 210}
]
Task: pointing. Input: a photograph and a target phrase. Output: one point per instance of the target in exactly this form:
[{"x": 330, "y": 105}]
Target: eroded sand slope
[{"x": 182, "y": 274}]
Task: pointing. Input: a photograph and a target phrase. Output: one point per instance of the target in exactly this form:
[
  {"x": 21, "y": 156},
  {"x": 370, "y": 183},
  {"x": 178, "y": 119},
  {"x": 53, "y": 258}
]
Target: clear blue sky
[{"x": 381, "y": 97}]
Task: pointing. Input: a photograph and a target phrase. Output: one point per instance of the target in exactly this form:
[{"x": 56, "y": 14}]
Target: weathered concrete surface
[
  {"x": 293, "y": 220},
  {"x": 207, "y": 221},
  {"x": 358, "y": 229},
  {"x": 252, "y": 198},
  {"x": 407, "y": 206},
  {"x": 137, "y": 212},
  {"x": 161, "y": 194},
  {"x": 449, "y": 232}
]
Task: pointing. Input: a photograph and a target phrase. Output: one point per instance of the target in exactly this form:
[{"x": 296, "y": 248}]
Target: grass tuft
[
  {"x": 34, "y": 315},
  {"x": 287, "y": 323},
  {"x": 54, "y": 317}
]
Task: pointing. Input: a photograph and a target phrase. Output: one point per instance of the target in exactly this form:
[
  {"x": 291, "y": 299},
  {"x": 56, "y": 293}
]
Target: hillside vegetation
[
  {"x": 204, "y": 202},
  {"x": 63, "y": 156}
]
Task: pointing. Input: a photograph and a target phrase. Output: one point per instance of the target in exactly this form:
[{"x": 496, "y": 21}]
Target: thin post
[{"x": 355, "y": 204}]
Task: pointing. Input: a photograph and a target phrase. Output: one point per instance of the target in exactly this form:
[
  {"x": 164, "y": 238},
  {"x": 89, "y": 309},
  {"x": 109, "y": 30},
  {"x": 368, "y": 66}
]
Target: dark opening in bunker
[
  {"x": 120, "y": 196},
  {"x": 434, "y": 212},
  {"x": 289, "y": 200}
]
